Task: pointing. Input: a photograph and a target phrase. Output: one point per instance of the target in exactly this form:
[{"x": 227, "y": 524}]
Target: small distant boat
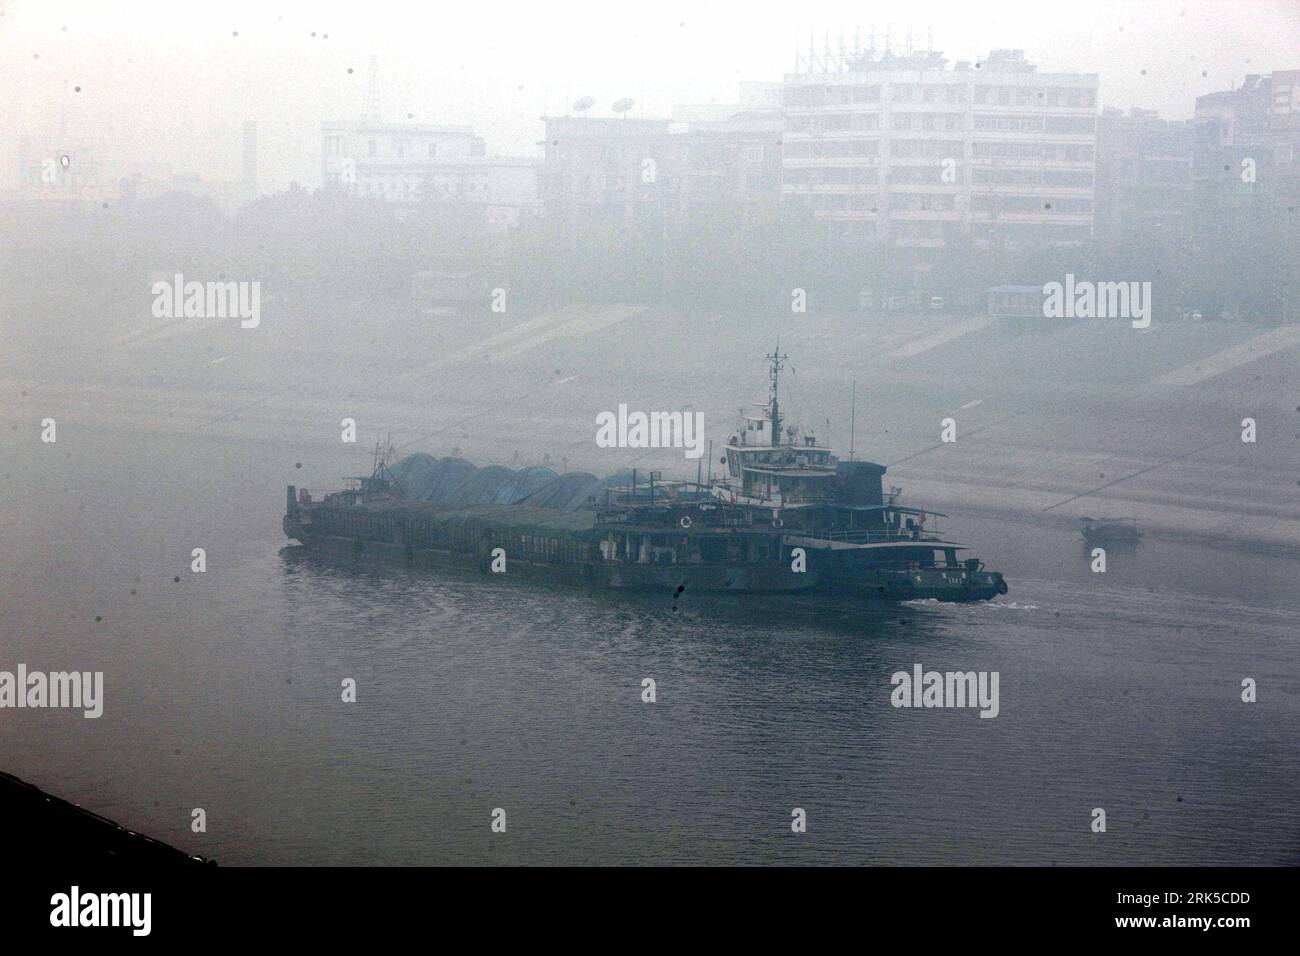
[{"x": 1110, "y": 529}]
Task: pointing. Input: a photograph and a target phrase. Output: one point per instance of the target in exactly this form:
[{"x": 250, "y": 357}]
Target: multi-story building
[
  {"x": 607, "y": 168},
  {"x": 730, "y": 166},
  {"x": 716, "y": 162},
  {"x": 1246, "y": 171},
  {"x": 1248, "y": 141},
  {"x": 1284, "y": 120},
  {"x": 407, "y": 164},
  {"x": 1144, "y": 177},
  {"x": 904, "y": 149}
]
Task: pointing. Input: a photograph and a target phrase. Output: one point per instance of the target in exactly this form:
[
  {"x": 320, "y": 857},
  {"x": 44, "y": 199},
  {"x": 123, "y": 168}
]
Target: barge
[{"x": 787, "y": 516}]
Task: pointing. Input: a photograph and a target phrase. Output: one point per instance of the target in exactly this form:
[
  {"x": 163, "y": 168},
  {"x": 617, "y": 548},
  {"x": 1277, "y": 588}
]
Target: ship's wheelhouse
[{"x": 792, "y": 473}]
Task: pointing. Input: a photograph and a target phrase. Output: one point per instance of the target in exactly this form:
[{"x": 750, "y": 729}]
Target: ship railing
[
  {"x": 314, "y": 496},
  {"x": 906, "y": 566},
  {"x": 778, "y": 500},
  {"x": 642, "y": 497},
  {"x": 873, "y": 537},
  {"x": 670, "y": 518}
]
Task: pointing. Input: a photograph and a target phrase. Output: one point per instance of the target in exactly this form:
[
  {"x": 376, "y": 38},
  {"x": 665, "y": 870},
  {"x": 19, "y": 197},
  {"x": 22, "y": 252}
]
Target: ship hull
[{"x": 859, "y": 583}]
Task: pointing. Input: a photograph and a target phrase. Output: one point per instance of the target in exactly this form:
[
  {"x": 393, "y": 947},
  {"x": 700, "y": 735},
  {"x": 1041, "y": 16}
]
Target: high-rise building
[{"x": 904, "y": 149}]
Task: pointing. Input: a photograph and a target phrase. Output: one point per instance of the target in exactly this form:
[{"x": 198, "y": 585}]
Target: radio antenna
[{"x": 853, "y": 419}]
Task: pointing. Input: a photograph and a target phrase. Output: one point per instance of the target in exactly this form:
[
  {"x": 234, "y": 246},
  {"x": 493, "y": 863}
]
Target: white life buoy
[
  {"x": 777, "y": 522},
  {"x": 685, "y": 521}
]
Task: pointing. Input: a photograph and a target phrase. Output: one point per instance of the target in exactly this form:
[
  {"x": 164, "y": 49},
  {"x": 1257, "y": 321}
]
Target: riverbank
[{"x": 43, "y": 827}]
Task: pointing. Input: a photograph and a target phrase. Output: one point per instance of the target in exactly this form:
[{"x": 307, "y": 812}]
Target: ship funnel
[{"x": 858, "y": 483}]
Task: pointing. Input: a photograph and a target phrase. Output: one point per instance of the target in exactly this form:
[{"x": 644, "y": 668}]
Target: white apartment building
[
  {"x": 904, "y": 149},
  {"x": 408, "y": 163}
]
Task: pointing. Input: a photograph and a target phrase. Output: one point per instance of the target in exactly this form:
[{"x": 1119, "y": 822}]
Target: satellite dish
[
  {"x": 623, "y": 105},
  {"x": 584, "y": 104}
]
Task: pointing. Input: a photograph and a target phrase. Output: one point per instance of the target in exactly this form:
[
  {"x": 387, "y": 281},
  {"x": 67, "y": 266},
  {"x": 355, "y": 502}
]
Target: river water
[{"x": 1119, "y": 691}]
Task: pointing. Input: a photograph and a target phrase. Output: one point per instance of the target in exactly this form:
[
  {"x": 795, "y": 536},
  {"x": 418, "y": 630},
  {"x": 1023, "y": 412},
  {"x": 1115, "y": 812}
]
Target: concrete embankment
[{"x": 42, "y": 827}]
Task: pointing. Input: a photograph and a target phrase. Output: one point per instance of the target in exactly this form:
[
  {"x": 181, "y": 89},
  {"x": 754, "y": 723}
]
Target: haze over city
[
  {"x": 168, "y": 85},
  {"x": 830, "y": 434}
]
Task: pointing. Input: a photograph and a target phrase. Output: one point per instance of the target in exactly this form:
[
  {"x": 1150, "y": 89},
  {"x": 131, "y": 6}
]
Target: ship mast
[
  {"x": 776, "y": 361},
  {"x": 383, "y": 456}
]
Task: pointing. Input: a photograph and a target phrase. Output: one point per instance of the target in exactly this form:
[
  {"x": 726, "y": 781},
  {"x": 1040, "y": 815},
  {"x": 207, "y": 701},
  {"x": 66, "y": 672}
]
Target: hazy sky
[{"x": 166, "y": 83}]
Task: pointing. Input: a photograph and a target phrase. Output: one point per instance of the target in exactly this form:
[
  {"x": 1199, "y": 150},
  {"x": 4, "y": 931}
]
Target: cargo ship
[{"x": 786, "y": 516}]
